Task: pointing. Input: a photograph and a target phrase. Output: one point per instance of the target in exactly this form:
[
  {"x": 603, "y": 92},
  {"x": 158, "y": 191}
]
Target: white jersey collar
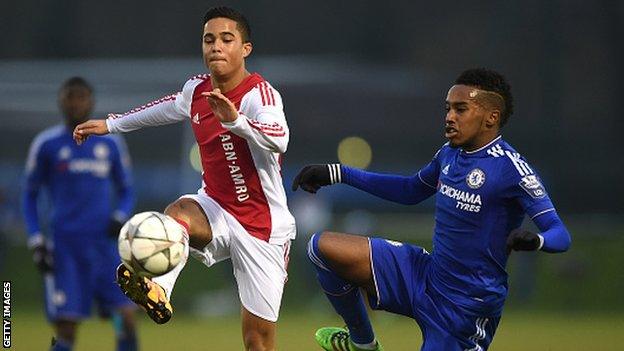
[{"x": 484, "y": 146}]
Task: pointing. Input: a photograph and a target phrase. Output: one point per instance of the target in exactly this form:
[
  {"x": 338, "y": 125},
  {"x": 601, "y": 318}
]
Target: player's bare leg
[
  {"x": 258, "y": 333},
  {"x": 349, "y": 256},
  {"x": 191, "y": 213},
  {"x": 343, "y": 267}
]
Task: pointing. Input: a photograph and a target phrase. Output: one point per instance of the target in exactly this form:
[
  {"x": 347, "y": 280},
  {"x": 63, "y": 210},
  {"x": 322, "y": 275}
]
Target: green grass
[
  {"x": 517, "y": 331},
  {"x": 587, "y": 282}
]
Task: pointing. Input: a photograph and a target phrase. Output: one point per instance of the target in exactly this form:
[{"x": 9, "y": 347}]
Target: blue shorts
[
  {"x": 83, "y": 272},
  {"x": 400, "y": 273}
]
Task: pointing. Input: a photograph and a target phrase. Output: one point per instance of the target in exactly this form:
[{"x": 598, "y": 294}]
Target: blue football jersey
[
  {"x": 81, "y": 183},
  {"x": 481, "y": 196}
]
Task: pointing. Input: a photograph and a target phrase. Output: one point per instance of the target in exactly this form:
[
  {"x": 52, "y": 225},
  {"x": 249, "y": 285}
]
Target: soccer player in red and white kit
[{"x": 240, "y": 212}]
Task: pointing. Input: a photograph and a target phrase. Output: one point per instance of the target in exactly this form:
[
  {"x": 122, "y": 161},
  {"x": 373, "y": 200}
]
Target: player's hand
[
  {"x": 222, "y": 107},
  {"x": 90, "y": 127},
  {"x": 114, "y": 227},
  {"x": 523, "y": 240},
  {"x": 42, "y": 256},
  {"x": 312, "y": 177}
]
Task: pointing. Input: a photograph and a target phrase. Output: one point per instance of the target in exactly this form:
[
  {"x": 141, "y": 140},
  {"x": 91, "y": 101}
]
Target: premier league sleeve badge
[{"x": 533, "y": 186}]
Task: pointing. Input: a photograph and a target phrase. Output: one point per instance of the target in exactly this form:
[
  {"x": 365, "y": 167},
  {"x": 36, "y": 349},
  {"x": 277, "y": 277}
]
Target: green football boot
[
  {"x": 337, "y": 339},
  {"x": 145, "y": 293}
]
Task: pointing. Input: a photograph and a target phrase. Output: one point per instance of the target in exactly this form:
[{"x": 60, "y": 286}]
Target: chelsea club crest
[{"x": 475, "y": 178}]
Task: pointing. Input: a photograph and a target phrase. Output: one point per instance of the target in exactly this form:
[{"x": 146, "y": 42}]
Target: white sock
[
  {"x": 168, "y": 280},
  {"x": 370, "y": 346}
]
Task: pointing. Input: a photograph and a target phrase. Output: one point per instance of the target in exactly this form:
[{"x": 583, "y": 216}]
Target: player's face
[
  {"x": 223, "y": 48},
  {"x": 465, "y": 119},
  {"x": 76, "y": 104}
]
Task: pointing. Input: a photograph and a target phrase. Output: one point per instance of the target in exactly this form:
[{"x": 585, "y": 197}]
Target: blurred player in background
[
  {"x": 79, "y": 255},
  {"x": 483, "y": 190},
  {"x": 240, "y": 212}
]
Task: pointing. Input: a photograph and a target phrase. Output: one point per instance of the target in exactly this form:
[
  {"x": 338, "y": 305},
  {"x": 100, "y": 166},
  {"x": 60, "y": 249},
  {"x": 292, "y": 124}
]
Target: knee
[
  {"x": 314, "y": 253},
  {"x": 181, "y": 211},
  {"x": 176, "y": 209},
  {"x": 190, "y": 214},
  {"x": 256, "y": 341},
  {"x": 317, "y": 238}
]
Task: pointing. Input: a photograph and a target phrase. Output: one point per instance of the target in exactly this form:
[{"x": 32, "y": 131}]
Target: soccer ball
[{"x": 151, "y": 244}]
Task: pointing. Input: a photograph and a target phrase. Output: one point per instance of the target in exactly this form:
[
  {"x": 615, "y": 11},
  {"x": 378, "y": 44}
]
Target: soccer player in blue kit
[
  {"x": 483, "y": 190},
  {"x": 79, "y": 257}
]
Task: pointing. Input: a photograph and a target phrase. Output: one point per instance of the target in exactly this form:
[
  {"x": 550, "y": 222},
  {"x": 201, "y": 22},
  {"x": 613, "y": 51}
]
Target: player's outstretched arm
[
  {"x": 554, "y": 236},
  {"x": 395, "y": 188},
  {"x": 166, "y": 110},
  {"x": 90, "y": 127}
]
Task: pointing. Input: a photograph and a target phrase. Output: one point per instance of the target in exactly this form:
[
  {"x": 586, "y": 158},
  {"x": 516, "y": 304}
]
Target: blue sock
[
  {"x": 61, "y": 345},
  {"x": 125, "y": 341},
  {"x": 345, "y": 298}
]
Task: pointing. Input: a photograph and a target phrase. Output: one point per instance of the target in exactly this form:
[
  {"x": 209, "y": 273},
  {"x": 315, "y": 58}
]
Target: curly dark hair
[
  {"x": 226, "y": 12},
  {"x": 489, "y": 80}
]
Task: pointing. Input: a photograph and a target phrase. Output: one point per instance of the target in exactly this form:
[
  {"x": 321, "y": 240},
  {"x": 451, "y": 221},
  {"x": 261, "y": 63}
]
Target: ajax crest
[{"x": 475, "y": 178}]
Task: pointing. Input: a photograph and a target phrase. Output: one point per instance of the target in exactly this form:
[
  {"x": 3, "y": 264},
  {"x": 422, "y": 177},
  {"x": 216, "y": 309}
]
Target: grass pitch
[{"x": 517, "y": 331}]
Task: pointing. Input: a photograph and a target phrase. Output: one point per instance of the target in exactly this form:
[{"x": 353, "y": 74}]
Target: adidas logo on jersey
[{"x": 394, "y": 243}]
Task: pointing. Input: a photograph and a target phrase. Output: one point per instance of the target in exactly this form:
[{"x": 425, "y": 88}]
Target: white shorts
[{"x": 259, "y": 267}]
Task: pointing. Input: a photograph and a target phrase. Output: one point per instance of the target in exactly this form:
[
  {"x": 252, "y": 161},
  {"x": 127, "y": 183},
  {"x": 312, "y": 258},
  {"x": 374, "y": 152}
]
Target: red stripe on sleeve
[
  {"x": 275, "y": 127},
  {"x": 267, "y": 131},
  {"x": 266, "y": 93},
  {"x": 262, "y": 94},
  {"x": 272, "y": 96},
  {"x": 150, "y": 104}
]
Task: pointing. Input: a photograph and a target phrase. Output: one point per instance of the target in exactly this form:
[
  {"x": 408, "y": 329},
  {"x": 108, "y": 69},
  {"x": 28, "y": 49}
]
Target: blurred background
[{"x": 363, "y": 83}]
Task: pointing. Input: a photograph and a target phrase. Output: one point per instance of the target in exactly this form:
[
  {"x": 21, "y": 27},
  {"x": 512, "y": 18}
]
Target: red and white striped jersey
[{"x": 240, "y": 160}]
